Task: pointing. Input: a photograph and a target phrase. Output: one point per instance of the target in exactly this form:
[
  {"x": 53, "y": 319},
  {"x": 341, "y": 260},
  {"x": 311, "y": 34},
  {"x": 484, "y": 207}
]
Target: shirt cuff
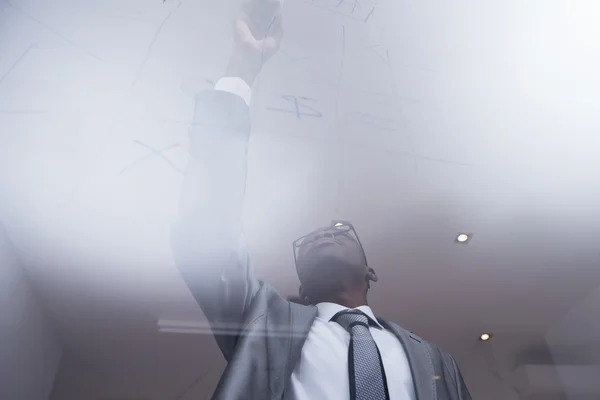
[{"x": 235, "y": 85}]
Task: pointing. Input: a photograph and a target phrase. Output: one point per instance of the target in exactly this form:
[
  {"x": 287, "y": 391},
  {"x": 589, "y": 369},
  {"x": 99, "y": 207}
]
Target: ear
[
  {"x": 371, "y": 275},
  {"x": 303, "y": 295}
]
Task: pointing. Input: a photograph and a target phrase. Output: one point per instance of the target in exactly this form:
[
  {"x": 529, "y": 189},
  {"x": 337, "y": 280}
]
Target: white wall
[{"x": 29, "y": 349}]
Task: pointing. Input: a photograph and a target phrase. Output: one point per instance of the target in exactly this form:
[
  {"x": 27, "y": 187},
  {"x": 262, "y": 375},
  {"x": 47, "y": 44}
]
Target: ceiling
[{"x": 416, "y": 121}]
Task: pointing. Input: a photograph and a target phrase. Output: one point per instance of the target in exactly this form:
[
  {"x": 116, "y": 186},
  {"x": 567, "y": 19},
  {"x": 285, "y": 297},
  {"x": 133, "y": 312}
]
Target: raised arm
[{"x": 207, "y": 240}]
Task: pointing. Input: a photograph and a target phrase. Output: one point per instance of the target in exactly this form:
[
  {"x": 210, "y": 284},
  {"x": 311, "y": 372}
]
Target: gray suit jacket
[{"x": 259, "y": 333}]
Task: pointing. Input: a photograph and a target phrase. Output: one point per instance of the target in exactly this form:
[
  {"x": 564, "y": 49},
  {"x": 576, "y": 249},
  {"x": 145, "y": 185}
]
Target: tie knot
[{"x": 349, "y": 318}]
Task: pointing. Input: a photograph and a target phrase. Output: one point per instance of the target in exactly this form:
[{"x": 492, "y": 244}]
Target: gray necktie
[{"x": 365, "y": 368}]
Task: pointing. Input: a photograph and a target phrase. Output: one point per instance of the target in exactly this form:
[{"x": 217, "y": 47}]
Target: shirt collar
[{"x": 327, "y": 310}]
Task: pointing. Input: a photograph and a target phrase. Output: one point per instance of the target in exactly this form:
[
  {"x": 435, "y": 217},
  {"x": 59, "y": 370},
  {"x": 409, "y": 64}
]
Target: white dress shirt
[{"x": 322, "y": 372}]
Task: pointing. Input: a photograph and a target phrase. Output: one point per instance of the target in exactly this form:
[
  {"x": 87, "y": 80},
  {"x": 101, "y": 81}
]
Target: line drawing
[
  {"x": 416, "y": 157},
  {"x": 392, "y": 98},
  {"x": 381, "y": 98},
  {"x": 372, "y": 120},
  {"x": 54, "y": 31},
  {"x": 337, "y": 122},
  {"x": 373, "y": 117},
  {"x": 154, "y": 152},
  {"x": 373, "y": 48},
  {"x": 31, "y": 46},
  {"x": 352, "y": 142},
  {"x": 147, "y": 55},
  {"x": 386, "y": 59},
  {"x": 353, "y": 6},
  {"x": 299, "y": 113},
  {"x": 396, "y": 94},
  {"x": 339, "y": 82},
  {"x": 297, "y": 105},
  {"x": 292, "y": 59},
  {"x": 333, "y": 11},
  {"x": 307, "y": 72},
  {"x": 23, "y": 112},
  {"x": 369, "y": 15}
]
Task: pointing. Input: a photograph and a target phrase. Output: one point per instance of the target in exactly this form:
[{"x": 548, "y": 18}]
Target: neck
[{"x": 346, "y": 299}]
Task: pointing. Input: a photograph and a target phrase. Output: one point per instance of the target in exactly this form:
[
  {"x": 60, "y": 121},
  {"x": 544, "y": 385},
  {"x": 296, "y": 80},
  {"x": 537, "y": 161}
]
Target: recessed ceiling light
[
  {"x": 485, "y": 337},
  {"x": 339, "y": 224},
  {"x": 462, "y": 238}
]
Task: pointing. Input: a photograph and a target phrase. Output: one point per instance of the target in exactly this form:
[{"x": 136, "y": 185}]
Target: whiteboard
[{"x": 96, "y": 99}]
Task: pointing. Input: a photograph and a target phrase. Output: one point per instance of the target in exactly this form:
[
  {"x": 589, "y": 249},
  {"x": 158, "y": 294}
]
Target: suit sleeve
[
  {"x": 207, "y": 240},
  {"x": 463, "y": 392},
  {"x": 459, "y": 391}
]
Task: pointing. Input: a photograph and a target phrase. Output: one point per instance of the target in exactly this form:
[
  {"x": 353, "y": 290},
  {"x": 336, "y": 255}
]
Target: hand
[{"x": 258, "y": 31}]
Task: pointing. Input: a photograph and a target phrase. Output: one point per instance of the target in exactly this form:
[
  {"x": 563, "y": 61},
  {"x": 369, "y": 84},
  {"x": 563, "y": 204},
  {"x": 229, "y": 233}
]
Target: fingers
[
  {"x": 277, "y": 28},
  {"x": 242, "y": 32},
  {"x": 257, "y": 30},
  {"x": 261, "y": 15}
]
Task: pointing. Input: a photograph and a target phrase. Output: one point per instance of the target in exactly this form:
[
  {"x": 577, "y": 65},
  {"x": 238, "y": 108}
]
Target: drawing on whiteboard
[
  {"x": 392, "y": 99},
  {"x": 14, "y": 65},
  {"x": 386, "y": 124},
  {"x": 299, "y": 109},
  {"x": 23, "y": 112},
  {"x": 291, "y": 58},
  {"x": 376, "y": 48},
  {"x": 154, "y": 152},
  {"x": 340, "y": 74},
  {"x": 356, "y": 3},
  {"x": 359, "y": 10},
  {"x": 369, "y": 14},
  {"x": 353, "y": 4},
  {"x": 52, "y": 30},
  {"x": 151, "y": 45}
]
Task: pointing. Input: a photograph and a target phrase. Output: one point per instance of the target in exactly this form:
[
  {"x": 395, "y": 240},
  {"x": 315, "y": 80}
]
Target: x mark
[{"x": 154, "y": 152}]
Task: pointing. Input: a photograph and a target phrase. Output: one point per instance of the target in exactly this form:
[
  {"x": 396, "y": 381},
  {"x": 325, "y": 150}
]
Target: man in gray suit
[{"x": 329, "y": 345}]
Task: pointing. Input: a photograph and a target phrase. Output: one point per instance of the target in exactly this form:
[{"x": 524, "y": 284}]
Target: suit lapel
[
  {"x": 301, "y": 318},
  {"x": 284, "y": 341},
  {"x": 419, "y": 360}
]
